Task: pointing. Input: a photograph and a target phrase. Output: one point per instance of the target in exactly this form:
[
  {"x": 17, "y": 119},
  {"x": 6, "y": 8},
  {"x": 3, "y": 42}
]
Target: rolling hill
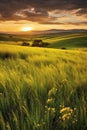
[{"x": 68, "y": 40}]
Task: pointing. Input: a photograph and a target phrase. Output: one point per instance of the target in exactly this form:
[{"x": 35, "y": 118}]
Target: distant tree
[
  {"x": 39, "y": 43},
  {"x": 25, "y": 43}
]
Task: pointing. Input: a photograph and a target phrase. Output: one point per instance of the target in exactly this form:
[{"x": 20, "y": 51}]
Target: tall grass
[{"x": 42, "y": 89}]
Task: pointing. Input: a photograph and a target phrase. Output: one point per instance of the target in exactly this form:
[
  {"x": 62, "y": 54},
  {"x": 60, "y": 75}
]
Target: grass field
[
  {"x": 42, "y": 88},
  {"x": 59, "y": 40}
]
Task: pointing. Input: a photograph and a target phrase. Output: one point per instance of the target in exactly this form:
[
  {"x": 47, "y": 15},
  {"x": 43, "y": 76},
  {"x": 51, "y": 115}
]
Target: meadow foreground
[{"x": 42, "y": 89}]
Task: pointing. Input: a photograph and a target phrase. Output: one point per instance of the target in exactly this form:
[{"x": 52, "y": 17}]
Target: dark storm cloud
[
  {"x": 23, "y": 9},
  {"x": 82, "y": 11}
]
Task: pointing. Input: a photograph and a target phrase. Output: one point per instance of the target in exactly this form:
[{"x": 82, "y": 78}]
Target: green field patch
[{"x": 77, "y": 42}]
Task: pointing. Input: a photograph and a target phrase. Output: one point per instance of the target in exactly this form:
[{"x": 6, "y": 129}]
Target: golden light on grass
[{"x": 26, "y": 29}]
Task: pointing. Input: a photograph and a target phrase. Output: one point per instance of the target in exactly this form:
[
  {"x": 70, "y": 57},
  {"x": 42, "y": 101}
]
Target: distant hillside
[
  {"x": 53, "y": 31},
  {"x": 11, "y": 37},
  {"x": 68, "y": 39},
  {"x": 50, "y": 31},
  {"x": 77, "y": 42}
]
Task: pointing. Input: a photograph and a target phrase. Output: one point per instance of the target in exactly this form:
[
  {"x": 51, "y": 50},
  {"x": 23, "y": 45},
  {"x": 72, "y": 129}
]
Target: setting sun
[{"x": 25, "y": 29}]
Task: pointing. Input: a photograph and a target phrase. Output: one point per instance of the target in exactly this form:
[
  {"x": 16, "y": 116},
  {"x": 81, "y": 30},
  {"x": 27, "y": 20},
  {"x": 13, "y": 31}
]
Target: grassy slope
[
  {"x": 66, "y": 40},
  {"x": 42, "y": 89},
  {"x": 77, "y": 42},
  {"x": 14, "y": 38}
]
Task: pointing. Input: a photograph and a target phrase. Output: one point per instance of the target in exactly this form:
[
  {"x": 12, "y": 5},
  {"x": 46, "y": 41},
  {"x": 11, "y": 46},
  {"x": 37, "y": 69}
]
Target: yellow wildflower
[
  {"x": 50, "y": 100},
  {"x": 66, "y": 109}
]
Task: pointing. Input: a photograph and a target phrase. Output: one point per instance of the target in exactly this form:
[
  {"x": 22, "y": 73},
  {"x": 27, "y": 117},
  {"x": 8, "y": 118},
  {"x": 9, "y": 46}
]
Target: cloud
[
  {"x": 38, "y": 10},
  {"x": 79, "y": 23},
  {"x": 66, "y": 23},
  {"x": 82, "y": 12}
]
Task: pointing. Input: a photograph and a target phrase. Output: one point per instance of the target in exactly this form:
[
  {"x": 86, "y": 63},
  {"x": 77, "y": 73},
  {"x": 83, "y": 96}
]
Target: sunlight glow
[{"x": 25, "y": 29}]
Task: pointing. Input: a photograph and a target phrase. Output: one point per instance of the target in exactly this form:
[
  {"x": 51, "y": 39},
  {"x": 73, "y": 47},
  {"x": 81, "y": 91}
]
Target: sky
[{"x": 24, "y": 15}]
